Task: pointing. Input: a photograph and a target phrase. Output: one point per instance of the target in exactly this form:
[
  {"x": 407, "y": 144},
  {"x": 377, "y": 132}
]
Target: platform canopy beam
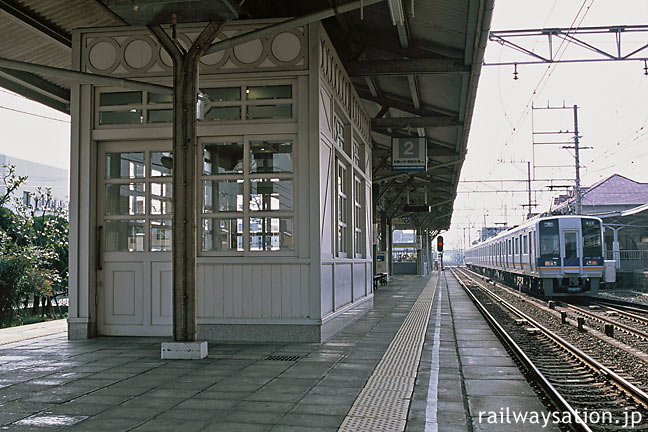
[
  {"x": 83, "y": 77},
  {"x": 402, "y": 104},
  {"x": 35, "y": 94},
  {"x": 415, "y": 122},
  {"x": 289, "y": 25},
  {"x": 405, "y": 67}
]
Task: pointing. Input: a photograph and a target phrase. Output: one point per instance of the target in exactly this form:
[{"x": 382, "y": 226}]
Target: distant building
[
  {"x": 622, "y": 204},
  {"x": 38, "y": 175},
  {"x": 613, "y": 194}
]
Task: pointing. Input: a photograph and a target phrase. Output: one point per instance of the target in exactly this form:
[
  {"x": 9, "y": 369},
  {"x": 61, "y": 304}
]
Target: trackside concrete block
[{"x": 184, "y": 350}]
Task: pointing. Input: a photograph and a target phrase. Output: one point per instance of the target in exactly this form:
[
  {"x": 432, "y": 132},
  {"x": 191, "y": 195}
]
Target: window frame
[
  {"x": 145, "y": 106},
  {"x": 148, "y": 216},
  {"x": 359, "y": 216},
  {"x": 247, "y": 214},
  {"x": 342, "y": 193}
]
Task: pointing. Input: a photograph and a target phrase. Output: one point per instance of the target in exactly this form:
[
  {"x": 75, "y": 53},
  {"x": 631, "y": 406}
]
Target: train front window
[
  {"x": 549, "y": 245},
  {"x": 571, "y": 245},
  {"x": 591, "y": 238},
  {"x": 549, "y": 238}
]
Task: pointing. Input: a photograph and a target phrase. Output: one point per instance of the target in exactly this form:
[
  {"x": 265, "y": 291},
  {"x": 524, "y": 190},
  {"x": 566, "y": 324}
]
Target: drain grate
[{"x": 283, "y": 357}]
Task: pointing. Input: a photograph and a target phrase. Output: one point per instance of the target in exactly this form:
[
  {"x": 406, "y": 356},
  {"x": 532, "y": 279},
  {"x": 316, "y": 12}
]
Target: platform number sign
[{"x": 409, "y": 154}]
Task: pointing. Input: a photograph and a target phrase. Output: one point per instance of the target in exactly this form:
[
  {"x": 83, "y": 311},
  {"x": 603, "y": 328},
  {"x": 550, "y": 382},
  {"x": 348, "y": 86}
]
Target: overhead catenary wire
[
  {"x": 33, "y": 114},
  {"x": 548, "y": 71}
]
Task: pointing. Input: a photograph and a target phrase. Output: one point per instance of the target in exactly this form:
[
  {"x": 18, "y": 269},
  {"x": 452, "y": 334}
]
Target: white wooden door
[{"x": 134, "y": 230}]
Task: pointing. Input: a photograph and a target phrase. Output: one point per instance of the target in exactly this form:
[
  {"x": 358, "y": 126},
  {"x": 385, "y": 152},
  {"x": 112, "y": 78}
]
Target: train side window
[{"x": 525, "y": 244}]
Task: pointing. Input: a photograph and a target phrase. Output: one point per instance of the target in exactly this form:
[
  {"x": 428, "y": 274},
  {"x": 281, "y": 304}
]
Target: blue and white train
[{"x": 552, "y": 256}]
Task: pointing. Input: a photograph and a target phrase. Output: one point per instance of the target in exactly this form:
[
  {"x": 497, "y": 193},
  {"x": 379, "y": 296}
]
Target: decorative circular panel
[
  {"x": 215, "y": 60},
  {"x": 138, "y": 54},
  {"x": 103, "y": 55},
  {"x": 287, "y": 47},
  {"x": 165, "y": 59},
  {"x": 250, "y": 53}
]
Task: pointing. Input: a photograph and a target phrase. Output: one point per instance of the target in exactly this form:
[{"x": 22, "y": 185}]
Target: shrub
[{"x": 12, "y": 270}]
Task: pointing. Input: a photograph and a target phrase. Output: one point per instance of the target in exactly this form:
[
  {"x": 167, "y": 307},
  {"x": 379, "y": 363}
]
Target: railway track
[
  {"x": 629, "y": 320},
  {"x": 639, "y": 308},
  {"x": 628, "y": 323},
  {"x": 592, "y": 395}
]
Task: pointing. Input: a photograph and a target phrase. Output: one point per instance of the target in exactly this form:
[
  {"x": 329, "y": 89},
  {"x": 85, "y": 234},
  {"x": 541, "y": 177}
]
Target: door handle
[{"x": 99, "y": 253}]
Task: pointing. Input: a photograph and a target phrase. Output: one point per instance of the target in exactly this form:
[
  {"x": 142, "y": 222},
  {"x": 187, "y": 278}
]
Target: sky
[
  {"x": 33, "y": 131},
  {"x": 612, "y": 117}
]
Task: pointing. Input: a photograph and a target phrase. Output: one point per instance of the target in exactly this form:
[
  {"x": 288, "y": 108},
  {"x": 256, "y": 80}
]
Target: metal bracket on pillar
[{"x": 185, "y": 89}]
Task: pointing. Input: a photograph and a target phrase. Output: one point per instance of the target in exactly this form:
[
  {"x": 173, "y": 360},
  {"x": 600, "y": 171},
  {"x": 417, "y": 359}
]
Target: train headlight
[
  {"x": 552, "y": 262},
  {"x": 591, "y": 262}
]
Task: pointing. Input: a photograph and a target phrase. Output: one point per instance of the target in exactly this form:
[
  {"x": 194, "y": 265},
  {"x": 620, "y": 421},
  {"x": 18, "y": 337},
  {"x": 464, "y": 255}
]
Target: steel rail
[
  {"x": 594, "y": 316},
  {"x": 551, "y": 391},
  {"x": 635, "y": 307},
  {"x": 625, "y": 313},
  {"x": 634, "y": 391}
]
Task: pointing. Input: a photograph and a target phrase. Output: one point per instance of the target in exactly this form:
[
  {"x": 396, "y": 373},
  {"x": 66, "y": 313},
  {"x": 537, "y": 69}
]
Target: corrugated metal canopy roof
[{"x": 427, "y": 67}]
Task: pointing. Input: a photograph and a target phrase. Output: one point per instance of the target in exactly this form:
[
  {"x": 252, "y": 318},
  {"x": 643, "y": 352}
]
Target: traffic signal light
[{"x": 440, "y": 244}]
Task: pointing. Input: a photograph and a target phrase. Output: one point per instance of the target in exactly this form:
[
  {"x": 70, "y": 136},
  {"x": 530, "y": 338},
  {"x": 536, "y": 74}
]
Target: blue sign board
[{"x": 409, "y": 154}]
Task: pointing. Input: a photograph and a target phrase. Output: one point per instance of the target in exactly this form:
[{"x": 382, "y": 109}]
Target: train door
[
  {"x": 571, "y": 251},
  {"x": 134, "y": 233},
  {"x": 532, "y": 263},
  {"x": 508, "y": 253}
]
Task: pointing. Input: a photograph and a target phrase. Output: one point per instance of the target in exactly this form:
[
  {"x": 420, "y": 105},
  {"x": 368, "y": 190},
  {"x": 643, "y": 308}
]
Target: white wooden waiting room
[{"x": 282, "y": 186}]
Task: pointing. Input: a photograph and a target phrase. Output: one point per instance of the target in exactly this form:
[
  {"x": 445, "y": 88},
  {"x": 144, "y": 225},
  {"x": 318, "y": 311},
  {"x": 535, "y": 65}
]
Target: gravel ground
[{"x": 630, "y": 296}]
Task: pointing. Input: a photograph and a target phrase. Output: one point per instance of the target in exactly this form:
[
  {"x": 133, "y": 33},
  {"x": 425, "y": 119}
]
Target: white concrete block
[{"x": 184, "y": 350}]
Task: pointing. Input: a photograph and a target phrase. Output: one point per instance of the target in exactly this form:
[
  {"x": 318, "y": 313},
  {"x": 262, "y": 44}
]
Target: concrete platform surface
[
  {"x": 30, "y": 331},
  {"x": 122, "y": 384}
]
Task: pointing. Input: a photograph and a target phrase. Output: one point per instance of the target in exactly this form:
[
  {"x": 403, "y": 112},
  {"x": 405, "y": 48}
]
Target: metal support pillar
[
  {"x": 383, "y": 231},
  {"x": 419, "y": 253},
  {"x": 616, "y": 250},
  {"x": 185, "y": 88},
  {"x": 389, "y": 255}
]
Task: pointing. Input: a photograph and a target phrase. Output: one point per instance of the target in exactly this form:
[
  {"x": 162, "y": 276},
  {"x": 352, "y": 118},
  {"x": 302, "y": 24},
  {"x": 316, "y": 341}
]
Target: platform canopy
[{"x": 415, "y": 63}]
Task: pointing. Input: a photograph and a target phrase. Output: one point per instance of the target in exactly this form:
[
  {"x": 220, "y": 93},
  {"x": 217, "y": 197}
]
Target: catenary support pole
[{"x": 579, "y": 198}]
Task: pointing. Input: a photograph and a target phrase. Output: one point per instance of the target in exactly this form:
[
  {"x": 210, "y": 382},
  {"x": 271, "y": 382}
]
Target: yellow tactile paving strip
[{"x": 384, "y": 402}]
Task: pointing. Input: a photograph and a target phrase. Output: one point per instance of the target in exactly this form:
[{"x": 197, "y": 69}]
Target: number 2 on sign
[{"x": 408, "y": 148}]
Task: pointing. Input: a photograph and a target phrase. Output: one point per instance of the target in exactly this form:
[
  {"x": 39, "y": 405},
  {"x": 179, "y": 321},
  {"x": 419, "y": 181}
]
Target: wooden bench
[{"x": 379, "y": 278}]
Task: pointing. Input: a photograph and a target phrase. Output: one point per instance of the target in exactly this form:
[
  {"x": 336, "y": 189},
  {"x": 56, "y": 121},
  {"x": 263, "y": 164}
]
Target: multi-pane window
[
  {"x": 247, "y": 195},
  {"x": 342, "y": 216},
  {"x": 235, "y": 103},
  {"x": 137, "y": 204},
  {"x": 357, "y": 155},
  {"x": 222, "y": 184},
  {"x": 338, "y": 130},
  {"x": 358, "y": 227},
  {"x": 350, "y": 208}
]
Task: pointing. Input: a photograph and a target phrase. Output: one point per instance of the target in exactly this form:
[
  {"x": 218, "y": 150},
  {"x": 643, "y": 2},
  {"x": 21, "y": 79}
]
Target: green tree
[
  {"x": 41, "y": 231},
  {"x": 11, "y": 183},
  {"x": 33, "y": 247}
]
